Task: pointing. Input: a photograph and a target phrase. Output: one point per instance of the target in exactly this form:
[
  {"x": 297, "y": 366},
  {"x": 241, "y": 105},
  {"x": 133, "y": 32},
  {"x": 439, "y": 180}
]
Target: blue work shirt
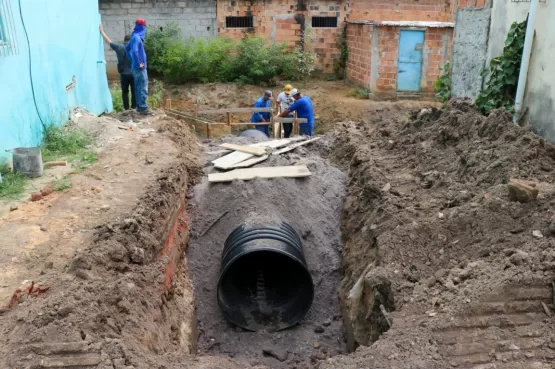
[
  {"x": 135, "y": 48},
  {"x": 261, "y": 103},
  {"x": 304, "y": 109}
]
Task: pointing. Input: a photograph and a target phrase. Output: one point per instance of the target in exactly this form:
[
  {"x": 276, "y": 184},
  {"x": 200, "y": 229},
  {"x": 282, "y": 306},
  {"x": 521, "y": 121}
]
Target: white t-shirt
[{"x": 285, "y": 100}]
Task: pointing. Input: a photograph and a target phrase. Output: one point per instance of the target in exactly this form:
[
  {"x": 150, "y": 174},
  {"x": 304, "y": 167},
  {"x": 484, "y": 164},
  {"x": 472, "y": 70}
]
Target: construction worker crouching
[
  {"x": 303, "y": 107},
  {"x": 283, "y": 102},
  {"x": 263, "y": 102}
]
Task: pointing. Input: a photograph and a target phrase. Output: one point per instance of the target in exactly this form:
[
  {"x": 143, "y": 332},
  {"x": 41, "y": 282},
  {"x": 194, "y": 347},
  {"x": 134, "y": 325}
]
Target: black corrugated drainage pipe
[{"x": 264, "y": 281}]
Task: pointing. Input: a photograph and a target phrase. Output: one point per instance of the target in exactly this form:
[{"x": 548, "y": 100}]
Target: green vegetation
[
  {"x": 13, "y": 184},
  {"x": 340, "y": 65},
  {"x": 62, "y": 184},
  {"x": 69, "y": 143},
  {"x": 251, "y": 60},
  {"x": 443, "y": 84},
  {"x": 117, "y": 99},
  {"x": 156, "y": 93},
  {"x": 500, "y": 89},
  {"x": 359, "y": 93}
]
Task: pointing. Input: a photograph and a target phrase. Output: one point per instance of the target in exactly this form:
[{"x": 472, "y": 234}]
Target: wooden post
[
  {"x": 296, "y": 128},
  {"x": 228, "y": 118},
  {"x": 207, "y": 130}
]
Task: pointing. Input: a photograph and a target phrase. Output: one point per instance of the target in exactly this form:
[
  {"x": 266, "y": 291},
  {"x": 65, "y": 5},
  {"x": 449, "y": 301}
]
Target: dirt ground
[
  {"x": 333, "y": 101},
  {"x": 432, "y": 235},
  {"x": 313, "y": 207},
  {"x": 419, "y": 257}
]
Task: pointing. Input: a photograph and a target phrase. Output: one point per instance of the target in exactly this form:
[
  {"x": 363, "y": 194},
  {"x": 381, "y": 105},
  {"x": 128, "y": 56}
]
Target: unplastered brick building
[
  {"x": 394, "y": 46},
  {"x": 398, "y": 46}
]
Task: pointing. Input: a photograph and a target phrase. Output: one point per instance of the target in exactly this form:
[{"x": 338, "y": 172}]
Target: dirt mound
[
  {"x": 115, "y": 306},
  {"x": 313, "y": 207},
  {"x": 428, "y": 206}
]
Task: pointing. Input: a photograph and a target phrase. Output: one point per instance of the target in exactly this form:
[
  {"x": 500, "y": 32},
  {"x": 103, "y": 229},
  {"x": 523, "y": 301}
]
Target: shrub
[
  {"x": 250, "y": 60},
  {"x": 157, "y": 42},
  {"x": 117, "y": 99}
]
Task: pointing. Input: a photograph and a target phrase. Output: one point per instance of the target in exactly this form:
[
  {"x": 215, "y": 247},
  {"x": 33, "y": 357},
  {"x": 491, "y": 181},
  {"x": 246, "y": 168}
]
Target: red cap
[{"x": 141, "y": 22}]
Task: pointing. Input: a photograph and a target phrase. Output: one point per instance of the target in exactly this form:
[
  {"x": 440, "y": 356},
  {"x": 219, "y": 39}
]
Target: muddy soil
[
  {"x": 432, "y": 235},
  {"x": 313, "y": 207}
]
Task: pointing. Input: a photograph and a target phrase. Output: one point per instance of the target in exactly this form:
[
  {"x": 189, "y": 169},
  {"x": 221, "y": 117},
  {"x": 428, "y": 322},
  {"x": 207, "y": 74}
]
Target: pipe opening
[{"x": 264, "y": 281}]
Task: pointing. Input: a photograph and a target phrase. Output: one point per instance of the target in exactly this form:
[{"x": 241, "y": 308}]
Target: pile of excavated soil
[
  {"x": 313, "y": 207},
  {"x": 430, "y": 233},
  {"x": 108, "y": 309}
]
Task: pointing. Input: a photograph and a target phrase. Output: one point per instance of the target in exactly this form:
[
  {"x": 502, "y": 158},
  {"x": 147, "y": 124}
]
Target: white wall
[{"x": 539, "y": 95}]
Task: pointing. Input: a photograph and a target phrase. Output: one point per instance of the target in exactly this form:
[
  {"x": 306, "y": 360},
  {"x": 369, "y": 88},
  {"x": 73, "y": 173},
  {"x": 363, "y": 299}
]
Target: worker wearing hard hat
[
  {"x": 303, "y": 107},
  {"x": 283, "y": 102},
  {"x": 264, "y": 102}
]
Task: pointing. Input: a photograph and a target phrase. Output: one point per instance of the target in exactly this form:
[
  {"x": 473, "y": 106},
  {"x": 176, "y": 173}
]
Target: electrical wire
[{"x": 30, "y": 67}]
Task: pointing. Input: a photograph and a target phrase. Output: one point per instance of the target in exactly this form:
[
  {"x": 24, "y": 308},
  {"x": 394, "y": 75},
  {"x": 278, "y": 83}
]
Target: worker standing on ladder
[
  {"x": 283, "y": 102},
  {"x": 303, "y": 107},
  {"x": 264, "y": 102}
]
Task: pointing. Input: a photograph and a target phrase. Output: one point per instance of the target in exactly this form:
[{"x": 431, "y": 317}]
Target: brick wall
[
  {"x": 402, "y": 10},
  {"x": 359, "y": 42},
  {"x": 479, "y": 4},
  {"x": 283, "y": 21},
  {"x": 387, "y": 51},
  {"x": 195, "y": 18},
  {"x": 373, "y": 56}
]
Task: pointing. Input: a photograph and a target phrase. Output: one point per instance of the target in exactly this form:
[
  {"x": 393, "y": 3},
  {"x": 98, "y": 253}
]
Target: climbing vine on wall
[
  {"x": 500, "y": 88},
  {"x": 340, "y": 64},
  {"x": 443, "y": 84}
]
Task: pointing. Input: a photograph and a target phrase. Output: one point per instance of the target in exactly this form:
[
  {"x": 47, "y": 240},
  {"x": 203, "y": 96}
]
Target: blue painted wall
[{"x": 64, "y": 42}]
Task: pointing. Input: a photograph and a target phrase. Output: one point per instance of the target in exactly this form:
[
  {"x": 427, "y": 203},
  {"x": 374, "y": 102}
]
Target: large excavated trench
[
  {"x": 312, "y": 207},
  {"x": 416, "y": 252}
]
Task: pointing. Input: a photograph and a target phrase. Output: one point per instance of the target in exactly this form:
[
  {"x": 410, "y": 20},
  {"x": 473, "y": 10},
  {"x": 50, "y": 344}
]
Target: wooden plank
[
  {"x": 236, "y": 157},
  {"x": 294, "y": 146},
  {"x": 291, "y": 120},
  {"x": 294, "y": 171},
  {"x": 258, "y": 151},
  {"x": 248, "y": 163},
  {"x": 237, "y": 110}
]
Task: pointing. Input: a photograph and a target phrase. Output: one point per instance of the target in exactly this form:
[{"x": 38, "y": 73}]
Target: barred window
[
  {"x": 239, "y": 22},
  {"x": 324, "y": 22},
  {"x": 8, "y": 41}
]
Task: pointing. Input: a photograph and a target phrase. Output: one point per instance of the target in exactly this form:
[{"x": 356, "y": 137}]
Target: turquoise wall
[{"x": 65, "y": 42}]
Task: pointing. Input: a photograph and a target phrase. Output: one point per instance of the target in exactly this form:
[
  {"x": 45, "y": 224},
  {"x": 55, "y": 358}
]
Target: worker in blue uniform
[
  {"x": 303, "y": 107},
  {"x": 264, "y": 102}
]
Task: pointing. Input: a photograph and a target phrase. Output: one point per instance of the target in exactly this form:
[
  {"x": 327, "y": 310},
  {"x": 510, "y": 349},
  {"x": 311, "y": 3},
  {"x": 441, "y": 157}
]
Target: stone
[
  {"x": 319, "y": 329},
  {"x": 430, "y": 282},
  {"x": 441, "y": 273},
  {"x": 14, "y": 208},
  {"x": 519, "y": 257},
  {"x": 48, "y": 265},
  {"x": 36, "y": 196},
  {"x": 537, "y": 234},
  {"x": 43, "y": 228},
  {"x": 326, "y": 323},
  {"x": 522, "y": 191},
  {"x": 105, "y": 207},
  {"x": 316, "y": 346},
  {"x": 279, "y": 356},
  {"x": 387, "y": 187}
]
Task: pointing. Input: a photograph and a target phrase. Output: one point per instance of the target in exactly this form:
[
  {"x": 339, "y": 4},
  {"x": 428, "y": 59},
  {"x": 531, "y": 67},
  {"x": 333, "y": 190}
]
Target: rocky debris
[
  {"x": 537, "y": 233},
  {"x": 319, "y": 329},
  {"x": 522, "y": 191},
  {"x": 519, "y": 257},
  {"x": 276, "y": 354},
  {"x": 36, "y": 196}
]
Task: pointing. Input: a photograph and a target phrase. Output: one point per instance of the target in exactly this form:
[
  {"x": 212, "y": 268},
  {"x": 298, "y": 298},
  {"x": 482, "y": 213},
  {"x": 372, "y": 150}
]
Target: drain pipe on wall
[{"x": 524, "y": 64}]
